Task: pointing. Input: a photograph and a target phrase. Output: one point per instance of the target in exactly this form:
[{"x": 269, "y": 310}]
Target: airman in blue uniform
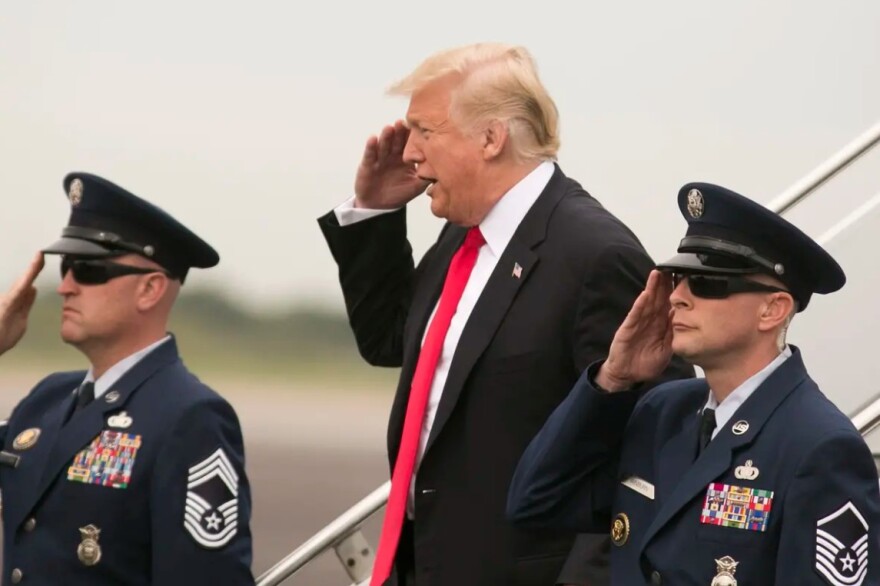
[
  {"x": 132, "y": 472},
  {"x": 749, "y": 475}
]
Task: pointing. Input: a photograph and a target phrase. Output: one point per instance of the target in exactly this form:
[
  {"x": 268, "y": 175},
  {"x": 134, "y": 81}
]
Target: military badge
[
  {"x": 75, "y": 195},
  {"x": 108, "y": 460},
  {"x": 120, "y": 420},
  {"x": 740, "y": 427},
  {"x": 726, "y": 570},
  {"x": 746, "y": 471},
  {"x": 736, "y": 506},
  {"x": 112, "y": 396},
  {"x": 26, "y": 439},
  {"x": 211, "y": 512},
  {"x": 620, "y": 529},
  {"x": 842, "y": 547},
  {"x": 695, "y": 205},
  {"x": 89, "y": 551}
]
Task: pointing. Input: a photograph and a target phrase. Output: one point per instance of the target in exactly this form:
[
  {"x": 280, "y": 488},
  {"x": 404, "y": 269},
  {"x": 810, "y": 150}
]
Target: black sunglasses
[
  {"x": 98, "y": 272},
  {"x": 721, "y": 287}
]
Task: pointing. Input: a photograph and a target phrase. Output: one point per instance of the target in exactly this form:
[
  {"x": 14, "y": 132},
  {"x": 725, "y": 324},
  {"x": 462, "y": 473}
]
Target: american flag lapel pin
[{"x": 517, "y": 270}]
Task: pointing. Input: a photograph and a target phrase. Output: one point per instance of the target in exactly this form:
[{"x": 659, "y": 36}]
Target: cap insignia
[
  {"x": 696, "y": 204},
  {"x": 76, "y": 192}
]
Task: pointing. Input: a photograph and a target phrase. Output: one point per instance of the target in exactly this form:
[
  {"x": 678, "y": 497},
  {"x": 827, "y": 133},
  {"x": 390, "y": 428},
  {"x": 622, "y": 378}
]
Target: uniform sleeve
[
  {"x": 609, "y": 288},
  {"x": 566, "y": 477},
  {"x": 201, "y": 502},
  {"x": 831, "y": 519}
]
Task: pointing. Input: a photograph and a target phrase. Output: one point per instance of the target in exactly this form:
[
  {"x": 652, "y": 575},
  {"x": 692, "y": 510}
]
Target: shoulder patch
[
  {"x": 842, "y": 547},
  {"x": 211, "y": 511}
]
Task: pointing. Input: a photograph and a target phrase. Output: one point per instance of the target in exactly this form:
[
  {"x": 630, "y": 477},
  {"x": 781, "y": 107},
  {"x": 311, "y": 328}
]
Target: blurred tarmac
[{"x": 310, "y": 455}]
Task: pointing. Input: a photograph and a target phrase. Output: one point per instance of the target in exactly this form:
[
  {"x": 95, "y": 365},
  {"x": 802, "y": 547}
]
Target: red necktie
[{"x": 456, "y": 278}]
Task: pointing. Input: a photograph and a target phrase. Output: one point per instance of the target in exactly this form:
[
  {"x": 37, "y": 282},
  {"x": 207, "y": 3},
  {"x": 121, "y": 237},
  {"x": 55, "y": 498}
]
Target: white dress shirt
[
  {"x": 497, "y": 229},
  {"x": 115, "y": 372},
  {"x": 725, "y": 410}
]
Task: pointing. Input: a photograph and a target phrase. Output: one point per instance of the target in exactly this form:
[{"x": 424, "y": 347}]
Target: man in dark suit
[
  {"x": 523, "y": 289},
  {"x": 750, "y": 475},
  {"x": 131, "y": 472}
]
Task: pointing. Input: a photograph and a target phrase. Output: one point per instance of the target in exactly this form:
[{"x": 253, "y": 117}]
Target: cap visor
[
  {"x": 78, "y": 247},
  {"x": 691, "y": 263}
]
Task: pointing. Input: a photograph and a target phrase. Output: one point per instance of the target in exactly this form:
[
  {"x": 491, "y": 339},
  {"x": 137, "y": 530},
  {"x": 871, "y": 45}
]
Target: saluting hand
[
  {"x": 15, "y": 305},
  {"x": 642, "y": 346},
  {"x": 384, "y": 180}
]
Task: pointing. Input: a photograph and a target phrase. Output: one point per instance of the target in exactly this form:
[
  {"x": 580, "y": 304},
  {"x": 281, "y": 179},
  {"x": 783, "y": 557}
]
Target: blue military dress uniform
[
  {"x": 153, "y": 521},
  {"x": 144, "y": 485},
  {"x": 785, "y": 493}
]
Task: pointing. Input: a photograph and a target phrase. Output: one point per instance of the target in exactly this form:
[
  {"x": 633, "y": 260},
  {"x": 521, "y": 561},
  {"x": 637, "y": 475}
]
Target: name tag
[{"x": 643, "y": 487}]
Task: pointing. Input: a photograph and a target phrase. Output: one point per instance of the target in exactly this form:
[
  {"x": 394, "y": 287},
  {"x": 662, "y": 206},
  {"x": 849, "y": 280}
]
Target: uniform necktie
[
  {"x": 707, "y": 426},
  {"x": 456, "y": 278},
  {"x": 85, "y": 395}
]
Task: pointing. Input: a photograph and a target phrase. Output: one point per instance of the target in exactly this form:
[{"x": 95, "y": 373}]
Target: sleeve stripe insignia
[
  {"x": 211, "y": 511},
  {"x": 842, "y": 547},
  {"x": 217, "y": 460}
]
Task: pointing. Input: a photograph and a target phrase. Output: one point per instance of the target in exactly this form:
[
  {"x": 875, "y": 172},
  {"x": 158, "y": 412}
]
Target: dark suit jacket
[
  {"x": 151, "y": 429},
  {"x": 520, "y": 352},
  {"x": 798, "y": 461}
]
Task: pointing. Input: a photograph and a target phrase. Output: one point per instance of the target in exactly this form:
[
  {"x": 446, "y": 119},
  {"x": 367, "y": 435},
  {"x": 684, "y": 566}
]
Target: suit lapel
[
  {"x": 497, "y": 296},
  {"x": 87, "y": 423},
  {"x": 718, "y": 455},
  {"x": 481, "y": 326}
]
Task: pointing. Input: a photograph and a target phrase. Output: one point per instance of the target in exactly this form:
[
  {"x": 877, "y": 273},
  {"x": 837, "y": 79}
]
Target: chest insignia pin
[
  {"x": 120, "y": 420},
  {"x": 726, "y": 570},
  {"x": 746, "y": 471},
  {"x": 620, "y": 529},
  {"x": 26, "y": 439},
  {"x": 89, "y": 551}
]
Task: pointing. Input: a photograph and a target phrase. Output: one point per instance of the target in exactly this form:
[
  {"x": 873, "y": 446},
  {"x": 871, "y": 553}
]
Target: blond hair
[{"x": 498, "y": 82}]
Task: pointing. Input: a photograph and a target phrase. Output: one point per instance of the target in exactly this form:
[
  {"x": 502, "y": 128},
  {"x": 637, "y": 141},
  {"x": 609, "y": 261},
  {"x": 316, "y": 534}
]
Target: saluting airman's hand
[
  {"x": 15, "y": 305},
  {"x": 642, "y": 346},
  {"x": 384, "y": 180}
]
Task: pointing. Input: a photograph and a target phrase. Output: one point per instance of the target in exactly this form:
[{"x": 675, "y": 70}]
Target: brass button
[
  {"x": 16, "y": 576},
  {"x": 656, "y": 579},
  {"x": 30, "y": 524}
]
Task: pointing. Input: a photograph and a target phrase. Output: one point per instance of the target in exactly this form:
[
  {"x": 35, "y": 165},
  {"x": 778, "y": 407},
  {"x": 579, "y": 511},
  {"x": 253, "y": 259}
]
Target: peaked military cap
[
  {"x": 106, "y": 220},
  {"x": 731, "y": 234}
]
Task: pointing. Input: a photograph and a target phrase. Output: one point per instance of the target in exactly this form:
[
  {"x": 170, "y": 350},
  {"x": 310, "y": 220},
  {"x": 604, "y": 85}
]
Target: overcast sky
[{"x": 247, "y": 120}]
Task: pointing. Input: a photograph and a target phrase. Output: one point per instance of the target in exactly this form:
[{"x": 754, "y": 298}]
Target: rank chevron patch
[
  {"x": 211, "y": 512},
  {"x": 842, "y": 547}
]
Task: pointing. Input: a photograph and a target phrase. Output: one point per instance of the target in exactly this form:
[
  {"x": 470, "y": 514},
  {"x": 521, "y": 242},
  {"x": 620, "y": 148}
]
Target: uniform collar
[
  {"x": 725, "y": 410},
  {"x": 115, "y": 372}
]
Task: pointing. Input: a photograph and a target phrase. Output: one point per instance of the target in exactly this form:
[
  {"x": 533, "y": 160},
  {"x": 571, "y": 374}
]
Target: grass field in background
[{"x": 300, "y": 347}]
